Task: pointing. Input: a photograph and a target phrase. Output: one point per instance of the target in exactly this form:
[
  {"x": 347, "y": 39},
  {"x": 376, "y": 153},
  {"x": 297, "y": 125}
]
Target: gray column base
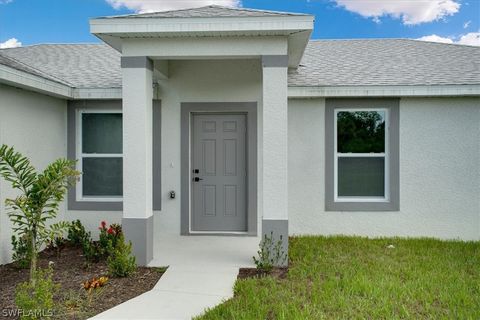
[
  {"x": 277, "y": 228},
  {"x": 140, "y": 232}
]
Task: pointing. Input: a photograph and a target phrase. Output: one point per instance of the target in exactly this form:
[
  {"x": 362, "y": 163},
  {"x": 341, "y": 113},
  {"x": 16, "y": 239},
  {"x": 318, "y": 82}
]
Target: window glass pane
[
  {"x": 102, "y": 133},
  {"x": 361, "y": 131},
  {"x": 102, "y": 176},
  {"x": 361, "y": 177}
]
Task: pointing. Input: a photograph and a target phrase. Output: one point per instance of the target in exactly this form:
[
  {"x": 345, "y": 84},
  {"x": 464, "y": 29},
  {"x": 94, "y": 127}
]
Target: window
[
  {"x": 362, "y": 163},
  {"x": 361, "y": 152},
  {"x": 100, "y": 155}
]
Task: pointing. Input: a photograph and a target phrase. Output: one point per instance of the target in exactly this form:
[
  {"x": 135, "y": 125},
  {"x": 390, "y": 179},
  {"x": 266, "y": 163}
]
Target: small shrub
[
  {"x": 270, "y": 254},
  {"x": 109, "y": 237},
  {"x": 39, "y": 195},
  {"x": 35, "y": 299},
  {"x": 21, "y": 251},
  {"x": 121, "y": 263},
  {"x": 57, "y": 244},
  {"x": 76, "y": 234},
  {"x": 92, "y": 251}
]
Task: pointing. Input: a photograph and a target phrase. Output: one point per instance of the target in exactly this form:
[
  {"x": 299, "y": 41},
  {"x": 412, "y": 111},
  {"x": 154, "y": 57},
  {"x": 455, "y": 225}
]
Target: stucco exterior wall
[
  {"x": 35, "y": 125},
  {"x": 189, "y": 81},
  {"x": 439, "y": 173}
]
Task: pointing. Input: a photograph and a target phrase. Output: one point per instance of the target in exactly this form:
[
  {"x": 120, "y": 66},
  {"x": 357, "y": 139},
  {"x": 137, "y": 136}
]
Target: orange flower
[{"x": 95, "y": 283}]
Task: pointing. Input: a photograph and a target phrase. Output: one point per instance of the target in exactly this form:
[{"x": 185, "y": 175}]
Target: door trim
[{"x": 250, "y": 110}]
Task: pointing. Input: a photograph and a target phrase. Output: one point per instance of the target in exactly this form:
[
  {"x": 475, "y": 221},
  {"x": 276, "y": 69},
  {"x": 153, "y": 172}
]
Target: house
[{"x": 227, "y": 121}]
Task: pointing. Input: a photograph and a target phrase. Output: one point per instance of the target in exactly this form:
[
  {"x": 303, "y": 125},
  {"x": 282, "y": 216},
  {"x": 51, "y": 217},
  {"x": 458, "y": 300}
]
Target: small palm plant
[{"x": 39, "y": 198}]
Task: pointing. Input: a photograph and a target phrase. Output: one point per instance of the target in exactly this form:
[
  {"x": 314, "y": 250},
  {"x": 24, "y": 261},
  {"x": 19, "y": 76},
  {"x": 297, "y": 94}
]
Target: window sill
[
  {"x": 99, "y": 199},
  {"x": 362, "y": 206}
]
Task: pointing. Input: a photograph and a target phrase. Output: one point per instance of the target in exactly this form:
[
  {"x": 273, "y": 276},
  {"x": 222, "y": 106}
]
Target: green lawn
[{"x": 358, "y": 278}]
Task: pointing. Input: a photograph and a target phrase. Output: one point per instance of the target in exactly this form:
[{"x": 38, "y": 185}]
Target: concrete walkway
[{"x": 201, "y": 274}]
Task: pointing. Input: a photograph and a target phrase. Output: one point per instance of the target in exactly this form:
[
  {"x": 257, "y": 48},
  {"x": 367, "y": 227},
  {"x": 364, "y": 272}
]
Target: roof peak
[{"x": 209, "y": 11}]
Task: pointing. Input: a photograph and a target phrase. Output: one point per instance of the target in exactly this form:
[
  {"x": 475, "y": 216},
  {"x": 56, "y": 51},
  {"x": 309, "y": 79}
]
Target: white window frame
[
  {"x": 385, "y": 155},
  {"x": 80, "y": 156}
]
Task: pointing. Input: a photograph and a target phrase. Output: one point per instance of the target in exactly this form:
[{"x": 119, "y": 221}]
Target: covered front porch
[{"x": 232, "y": 83}]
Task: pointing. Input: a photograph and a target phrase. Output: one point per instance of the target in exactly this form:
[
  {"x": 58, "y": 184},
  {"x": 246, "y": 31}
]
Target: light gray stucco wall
[
  {"x": 35, "y": 125},
  {"x": 190, "y": 81},
  {"x": 439, "y": 173}
]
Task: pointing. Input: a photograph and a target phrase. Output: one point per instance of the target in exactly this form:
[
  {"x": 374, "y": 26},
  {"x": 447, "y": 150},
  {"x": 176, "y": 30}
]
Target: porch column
[
  {"x": 275, "y": 166},
  {"x": 137, "y": 94}
]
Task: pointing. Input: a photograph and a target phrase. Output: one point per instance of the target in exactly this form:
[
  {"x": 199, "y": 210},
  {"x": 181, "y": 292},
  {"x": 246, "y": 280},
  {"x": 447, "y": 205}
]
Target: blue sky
[{"x": 66, "y": 21}]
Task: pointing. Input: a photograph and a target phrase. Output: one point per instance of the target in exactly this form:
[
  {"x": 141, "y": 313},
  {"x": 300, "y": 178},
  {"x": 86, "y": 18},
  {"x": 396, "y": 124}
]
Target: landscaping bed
[
  {"x": 360, "y": 278},
  {"x": 70, "y": 271}
]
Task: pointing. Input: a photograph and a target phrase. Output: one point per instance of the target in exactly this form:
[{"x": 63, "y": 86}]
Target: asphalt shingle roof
[
  {"x": 209, "y": 12},
  {"x": 386, "y": 62},
  {"x": 7, "y": 61},
  {"x": 325, "y": 63},
  {"x": 76, "y": 65}
]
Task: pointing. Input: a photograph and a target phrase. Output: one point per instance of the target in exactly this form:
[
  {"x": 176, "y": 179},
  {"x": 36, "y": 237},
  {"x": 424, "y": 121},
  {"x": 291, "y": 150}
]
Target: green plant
[
  {"x": 109, "y": 237},
  {"x": 270, "y": 254},
  {"x": 39, "y": 198},
  {"x": 92, "y": 251},
  {"x": 21, "y": 251},
  {"x": 121, "y": 263},
  {"x": 57, "y": 244},
  {"x": 35, "y": 300},
  {"x": 76, "y": 233}
]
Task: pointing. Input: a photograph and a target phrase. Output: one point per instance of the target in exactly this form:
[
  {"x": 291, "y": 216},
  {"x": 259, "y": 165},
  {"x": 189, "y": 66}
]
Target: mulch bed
[
  {"x": 70, "y": 271},
  {"x": 245, "y": 273}
]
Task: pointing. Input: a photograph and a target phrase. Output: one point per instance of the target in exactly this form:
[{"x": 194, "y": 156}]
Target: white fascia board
[
  {"x": 205, "y": 47},
  {"x": 384, "y": 91},
  {"x": 32, "y": 82},
  {"x": 187, "y": 25}
]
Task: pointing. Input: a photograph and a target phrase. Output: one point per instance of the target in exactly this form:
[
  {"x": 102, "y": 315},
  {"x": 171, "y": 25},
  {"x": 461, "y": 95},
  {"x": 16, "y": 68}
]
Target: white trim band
[{"x": 384, "y": 91}]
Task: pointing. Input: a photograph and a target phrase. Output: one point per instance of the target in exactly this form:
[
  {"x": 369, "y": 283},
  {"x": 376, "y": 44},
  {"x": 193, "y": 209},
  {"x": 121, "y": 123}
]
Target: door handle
[{"x": 196, "y": 179}]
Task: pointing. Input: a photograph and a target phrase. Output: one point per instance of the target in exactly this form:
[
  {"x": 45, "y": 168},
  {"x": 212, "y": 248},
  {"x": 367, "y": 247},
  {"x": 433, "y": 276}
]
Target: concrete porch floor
[
  {"x": 201, "y": 274},
  {"x": 204, "y": 251}
]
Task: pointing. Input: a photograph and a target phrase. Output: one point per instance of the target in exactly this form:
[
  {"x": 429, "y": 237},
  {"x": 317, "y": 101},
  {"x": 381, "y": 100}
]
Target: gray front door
[{"x": 219, "y": 173}]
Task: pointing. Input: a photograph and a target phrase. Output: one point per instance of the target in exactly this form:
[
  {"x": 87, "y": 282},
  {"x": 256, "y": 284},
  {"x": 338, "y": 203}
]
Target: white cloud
[
  {"x": 5, "y": 1},
  {"x": 410, "y": 11},
  {"x": 10, "y": 43},
  {"x": 435, "y": 38},
  {"x": 467, "y": 24},
  {"x": 162, "y": 5},
  {"x": 472, "y": 39}
]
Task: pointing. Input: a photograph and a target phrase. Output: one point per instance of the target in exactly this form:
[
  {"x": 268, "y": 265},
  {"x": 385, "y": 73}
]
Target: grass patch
[{"x": 359, "y": 278}]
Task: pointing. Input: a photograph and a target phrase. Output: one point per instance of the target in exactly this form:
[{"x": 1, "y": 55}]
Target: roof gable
[{"x": 211, "y": 11}]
